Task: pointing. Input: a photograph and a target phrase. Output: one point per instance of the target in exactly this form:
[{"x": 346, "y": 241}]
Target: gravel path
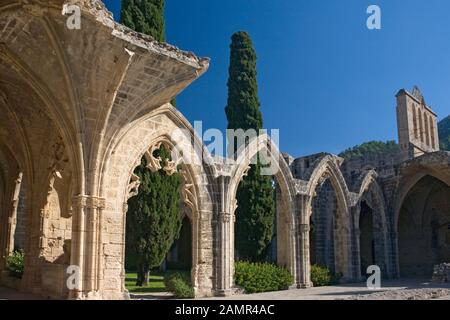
[{"x": 399, "y": 289}]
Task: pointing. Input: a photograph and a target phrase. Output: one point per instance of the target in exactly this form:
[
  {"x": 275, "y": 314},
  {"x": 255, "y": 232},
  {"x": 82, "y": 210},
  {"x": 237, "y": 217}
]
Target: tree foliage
[
  {"x": 145, "y": 16},
  {"x": 444, "y": 133},
  {"x": 153, "y": 218},
  {"x": 255, "y": 212},
  {"x": 370, "y": 148}
]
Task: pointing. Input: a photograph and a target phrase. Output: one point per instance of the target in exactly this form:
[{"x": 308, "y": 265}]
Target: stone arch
[
  {"x": 370, "y": 192},
  {"x": 46, "y": 154},
  {"x": 423, "y": 227},
  {"x": 118, "y": 184},
  {"x": 288, "y": 218},
  {"x": 409, "y": 181},
  {"x": 23, "y": 79},
  {"x": 434, "y": 166},
  {"x": 327, "y": 168}
]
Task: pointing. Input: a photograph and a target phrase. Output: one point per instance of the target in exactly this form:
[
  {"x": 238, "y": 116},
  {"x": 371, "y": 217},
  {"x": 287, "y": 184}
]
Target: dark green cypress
[
  {"x": 153, "y": 218},
  {"x": 145, "y": 16},
  {"x": 256, "y": 209},
  {"x": 444, "y": 133}
]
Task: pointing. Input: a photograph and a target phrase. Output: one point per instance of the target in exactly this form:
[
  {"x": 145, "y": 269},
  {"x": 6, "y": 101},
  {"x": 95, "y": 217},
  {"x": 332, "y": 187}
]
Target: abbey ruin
[{"x": 80, "y": 108}]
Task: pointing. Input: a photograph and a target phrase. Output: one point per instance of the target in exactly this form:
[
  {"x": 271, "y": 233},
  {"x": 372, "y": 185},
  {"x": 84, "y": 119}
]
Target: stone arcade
[{"x": 79, "y": 109}]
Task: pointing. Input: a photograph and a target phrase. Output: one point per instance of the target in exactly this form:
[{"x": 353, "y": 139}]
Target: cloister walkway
[{"x": 401, "y": 287}]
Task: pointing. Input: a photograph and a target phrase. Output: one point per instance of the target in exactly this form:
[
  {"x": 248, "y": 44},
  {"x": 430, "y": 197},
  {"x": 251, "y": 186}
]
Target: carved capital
[
  {"x": 225, "y": 217},
  {"x": 89, "y": 202},
  {"x": 133, "y": 186},
  {"x": 304, "y": 228}
]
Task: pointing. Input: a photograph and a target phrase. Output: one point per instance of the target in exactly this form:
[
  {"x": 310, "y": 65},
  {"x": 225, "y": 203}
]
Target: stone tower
[{"x": 417, "y": 125}]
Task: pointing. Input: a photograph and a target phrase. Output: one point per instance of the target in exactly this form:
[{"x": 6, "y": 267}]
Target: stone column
[
  {"x": 355, "y": 245},
  {"x": 292, "y": 249},
  {"x": 303, "y": 229},
  {"x": 86, "y": 244},
  {"x": 225, "y": 270},
  {"x": 395, "y": 259},
  {"x": 10, "y": 218},
  {"x": 357, "y": 254},
  {"x": 304, "y": 267},
  {"x": 126, "y": 294}
]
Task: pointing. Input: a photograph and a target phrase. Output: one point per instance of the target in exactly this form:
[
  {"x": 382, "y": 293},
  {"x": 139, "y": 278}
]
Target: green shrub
[
  {"x": 180, "y": 285},
  {"x": 14, "y": 263},
  {"x": 261, "y": 277},
  {"x": 336, "y": 278},
  {"x": 321, "y": 276}
]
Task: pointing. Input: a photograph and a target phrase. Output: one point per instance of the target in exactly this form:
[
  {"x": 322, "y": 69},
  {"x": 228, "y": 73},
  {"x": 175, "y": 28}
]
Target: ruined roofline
[
  {"x": 95, "y": 10},
  {"x": 98, "y": 9},
  {"x": 404, "y": 91}
]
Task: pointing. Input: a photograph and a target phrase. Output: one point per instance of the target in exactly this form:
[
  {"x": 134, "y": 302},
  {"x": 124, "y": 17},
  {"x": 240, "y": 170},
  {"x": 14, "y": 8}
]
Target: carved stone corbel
[
  {"x": 188, "y": 192},
  {"x": 245, "y": 173},
  {"x": 133, "y": 186}
]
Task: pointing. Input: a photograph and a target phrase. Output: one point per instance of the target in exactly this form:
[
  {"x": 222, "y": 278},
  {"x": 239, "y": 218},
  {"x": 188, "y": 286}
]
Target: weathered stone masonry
[{"x": 80, "y": 108}]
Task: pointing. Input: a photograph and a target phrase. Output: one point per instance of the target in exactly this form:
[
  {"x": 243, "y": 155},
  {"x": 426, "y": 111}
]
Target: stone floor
[
  {"x": 11, "y": 294},
  {"x": 403, "y": 289}
]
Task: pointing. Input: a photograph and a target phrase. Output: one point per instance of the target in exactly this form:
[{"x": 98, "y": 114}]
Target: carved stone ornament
[
  {"x": 245, "y": 173},
  {"x": 170, "y": 168},
  {"x": 133, "y": 186},
  {"x": 155, "y": 163},
  {"x": 188, "y": 192}
]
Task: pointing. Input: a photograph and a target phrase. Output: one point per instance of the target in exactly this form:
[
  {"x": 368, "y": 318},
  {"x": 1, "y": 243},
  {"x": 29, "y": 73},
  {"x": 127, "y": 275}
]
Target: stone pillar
[
  {"x": 86, "y": 245},
  {"x": 225, "y": 246},
  {"x": 395, "y": 259},
  {"x": 304, "y": 267},
  {"x": 10, "y": 219},
  {"x": 357, "y": 254},
  {"x": 226, "y": 268},
  {"x": 126, "y": 294},
  {"x": 292, "y": 249},
  {"x": 303, "y": 254},
  {"x": 355, "y": 236}
]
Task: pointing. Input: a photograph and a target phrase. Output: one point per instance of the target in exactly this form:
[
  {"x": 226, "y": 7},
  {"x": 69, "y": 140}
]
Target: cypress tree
[
  {"x": 255, "y": 212},
  {"x": 153, "y": 218},
  {"x": 444, "y": 133},
  {"x": 145, "y": 16}
]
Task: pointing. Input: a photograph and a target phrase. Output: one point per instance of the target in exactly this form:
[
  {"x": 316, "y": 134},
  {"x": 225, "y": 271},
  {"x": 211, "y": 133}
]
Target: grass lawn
[{"x": 156, "y": 282}]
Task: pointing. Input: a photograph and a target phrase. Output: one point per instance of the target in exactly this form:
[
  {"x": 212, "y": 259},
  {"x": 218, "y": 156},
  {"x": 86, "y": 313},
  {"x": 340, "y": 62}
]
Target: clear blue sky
[{"x": 325, "y": 80}]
